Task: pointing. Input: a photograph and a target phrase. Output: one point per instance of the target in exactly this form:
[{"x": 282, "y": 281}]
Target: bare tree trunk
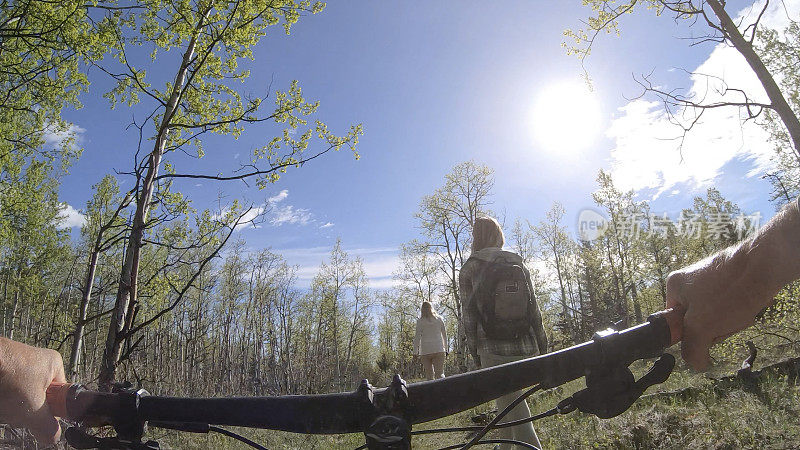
[
  {"x": 637, "y": 307},
  {"x": 744, "y": 47},
  {"x": 567, "y": 314},
  {"x": 13, "y": 316},
  {"x": 82, "y": 311},
  {"x": 620, "y": 299},
  {"x": 335, "y": 319},
  {"x": 5, "y": 301},
  {"x": 14, "y": 305},
  {"x": 624, "y": 264},
  {"x": 352, "y": 333},
  {"x": 126, "y": 294}
]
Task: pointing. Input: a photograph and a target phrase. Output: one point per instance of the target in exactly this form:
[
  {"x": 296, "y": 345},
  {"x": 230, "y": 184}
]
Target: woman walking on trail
[
  {"x": 502, "y": 321},
  {"x": 430, "y": 342}
]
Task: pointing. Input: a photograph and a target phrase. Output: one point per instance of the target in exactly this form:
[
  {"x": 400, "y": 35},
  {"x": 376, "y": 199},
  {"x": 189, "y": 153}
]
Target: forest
[{"x": 164, "y": 294}]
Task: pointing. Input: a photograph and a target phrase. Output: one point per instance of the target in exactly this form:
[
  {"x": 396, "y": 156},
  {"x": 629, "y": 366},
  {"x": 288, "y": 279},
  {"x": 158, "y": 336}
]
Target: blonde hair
[
  {"x": 426, "y": 310},
  {"x": 486, "y": 232}
]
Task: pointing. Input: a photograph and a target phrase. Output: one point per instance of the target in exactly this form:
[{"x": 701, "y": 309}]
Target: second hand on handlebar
[{"x": 386, "y": 415}]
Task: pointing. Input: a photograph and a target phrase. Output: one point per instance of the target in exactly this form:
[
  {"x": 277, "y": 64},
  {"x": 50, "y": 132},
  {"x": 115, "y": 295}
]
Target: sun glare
[{"x": 566, "y": 117}]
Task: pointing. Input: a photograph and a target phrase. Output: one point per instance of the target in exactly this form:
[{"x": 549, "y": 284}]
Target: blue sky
[{"x": 438, "y": 83}]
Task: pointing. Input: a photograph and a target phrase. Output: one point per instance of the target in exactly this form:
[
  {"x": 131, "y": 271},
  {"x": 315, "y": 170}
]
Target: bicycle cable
[
  {"x": 499, "y": 416},
  {"x": 238, "y": 437},
  {"x": 513, "y": 423},
  {"x": 497, "y": 441}
]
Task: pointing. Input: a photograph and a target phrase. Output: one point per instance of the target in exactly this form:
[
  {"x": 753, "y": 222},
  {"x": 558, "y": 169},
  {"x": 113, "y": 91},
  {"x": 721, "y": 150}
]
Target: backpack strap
[{"x": 492, "y": 253}]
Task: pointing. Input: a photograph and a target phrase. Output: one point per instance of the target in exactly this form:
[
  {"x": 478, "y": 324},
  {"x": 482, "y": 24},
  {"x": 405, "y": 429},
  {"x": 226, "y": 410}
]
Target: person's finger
[
  {"x": 58, "y": 368},
  {"x": 674, "y": 284},
  {"x": 695, "y": 344},
  {"x": 44, "y": 426},
  {"x": 42, "y": 423}
]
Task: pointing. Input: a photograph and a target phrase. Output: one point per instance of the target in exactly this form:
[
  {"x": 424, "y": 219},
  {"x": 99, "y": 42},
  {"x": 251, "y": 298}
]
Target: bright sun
[{"x": 566, "y": 117}]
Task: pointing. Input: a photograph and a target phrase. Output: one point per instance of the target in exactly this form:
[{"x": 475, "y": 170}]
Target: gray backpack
[{"x": 502, "y": 296}]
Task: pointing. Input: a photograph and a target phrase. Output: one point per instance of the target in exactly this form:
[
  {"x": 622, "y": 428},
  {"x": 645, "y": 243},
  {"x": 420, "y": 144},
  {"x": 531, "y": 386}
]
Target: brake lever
[
  {"x": 611, "y": 392},
  {"x": 80, "y": 439},
  {"x": 126, "y": 421}
]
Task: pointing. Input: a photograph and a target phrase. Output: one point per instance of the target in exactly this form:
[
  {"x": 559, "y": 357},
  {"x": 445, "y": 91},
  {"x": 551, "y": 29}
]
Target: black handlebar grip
[
  {"x": 674, "y": 320},
  {"x": 56, "y": 398}
]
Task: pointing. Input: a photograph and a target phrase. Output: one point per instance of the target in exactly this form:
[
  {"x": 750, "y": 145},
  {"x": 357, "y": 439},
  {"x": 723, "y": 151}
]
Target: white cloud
[
  {"x": 71, "y": 217},
  {"x": 303, "y": 253},
  {"x": 382, "y": 283},
  {"x": 646, "y": 154},
  {"x": 306, "y": 273},
  {"x": 371, "y": 250},
  {"x": 279, "y": 197},
  {"x": 253, "y": 214},
  {"x": 326, "y": 225},
  {"x": 291, "y": 215},
  {"x": 277, "y": 215},
  {"x": 54, "y": 136},
  {"x": 546, "y": 271},
  {"x": 249, "y": 220},
  {"x": 378, "y": 263},
  {"x": 287, "y": 214}
]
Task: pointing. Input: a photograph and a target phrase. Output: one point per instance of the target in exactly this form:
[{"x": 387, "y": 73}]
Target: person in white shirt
[{"x": 430, "y": 342}]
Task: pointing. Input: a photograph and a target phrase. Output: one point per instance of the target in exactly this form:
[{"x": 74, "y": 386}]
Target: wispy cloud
[
  {"x": 379, "y": 267},
  {"x": 387, "y": 282},
  {"x": 648, "y": 152},
  {"x": 251, "y": 216},
  {"x": 273, "y": 212},
  {"x": 379, "y": 263},
  {"x": 70, "y": 217},
  {"x": 288, "y": 214},
  {"x": 249, "y": 220},
  {"x": 279, "y": 197},
  {"x": 326, "y": 225}
]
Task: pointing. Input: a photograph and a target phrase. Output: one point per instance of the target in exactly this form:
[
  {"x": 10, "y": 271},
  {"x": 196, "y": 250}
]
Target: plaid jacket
[{"x": 531, "y": 344}]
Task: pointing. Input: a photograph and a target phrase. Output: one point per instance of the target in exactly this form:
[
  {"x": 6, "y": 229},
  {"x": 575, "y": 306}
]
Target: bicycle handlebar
[{"x": 346, "y": 412}]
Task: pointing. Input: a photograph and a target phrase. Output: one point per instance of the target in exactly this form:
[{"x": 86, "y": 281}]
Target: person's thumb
[
  {"x": 695, "y": 345},
  {"x": 41, "y": 423},
  {"x": 675, "y": 283},
  {"x": 44, "y": 426}
]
